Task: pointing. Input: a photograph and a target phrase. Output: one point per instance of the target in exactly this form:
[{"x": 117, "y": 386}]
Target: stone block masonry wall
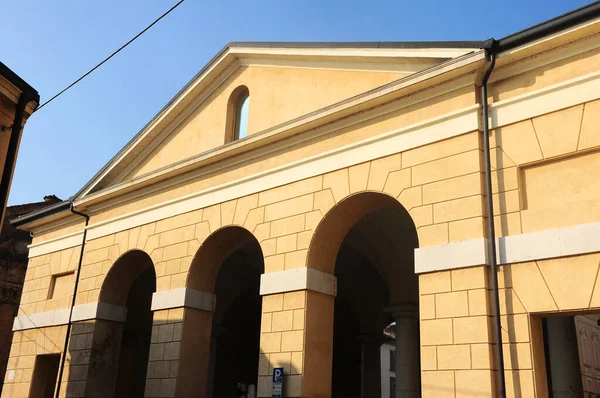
[
  {"x": 282, "y": 341},
  {"x": 40, "y": 271},
  {"x": 163, "y": 362},
  {"x": 455, "y": 334},
  {"x": 26, "y": 345},
  {"x": 78, "y": 359},
  {"x": 541, "y": 169}
]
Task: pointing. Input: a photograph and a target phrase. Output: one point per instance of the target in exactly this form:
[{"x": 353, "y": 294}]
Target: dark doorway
[
  {"x": 375, "y": 276},
  {"x": 572, "y": 355},
  {"x": 45, "y": 371},
  {"x": 135, "y": 340},
  {"x": 236, "y": 322}
]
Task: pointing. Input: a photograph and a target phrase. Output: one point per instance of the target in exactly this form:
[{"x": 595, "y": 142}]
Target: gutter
[
  {"x": 42, "y": 213},
  {"x": 549, "y": 27}
]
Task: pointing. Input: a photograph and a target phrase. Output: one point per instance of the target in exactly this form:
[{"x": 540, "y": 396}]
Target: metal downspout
[
  {"x": 491, "y": 246},
  {"x": 68, "y": 332}
]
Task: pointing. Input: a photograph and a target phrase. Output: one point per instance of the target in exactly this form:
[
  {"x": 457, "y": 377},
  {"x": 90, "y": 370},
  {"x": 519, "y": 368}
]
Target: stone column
[{"x": 408, "y": 368}]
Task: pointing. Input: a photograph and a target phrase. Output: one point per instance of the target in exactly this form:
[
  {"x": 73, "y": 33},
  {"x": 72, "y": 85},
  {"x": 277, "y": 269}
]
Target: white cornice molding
[
  {"x": 355, "y": 66},
  {"x": 432, "y": 130},
  {"x": 329, "y": 52},
  {"x": 548, "y": 99},
  {"x": 298, "y": 279},
  {"x": 540, "y": 245},
  {"x": 53, "y": 245}
]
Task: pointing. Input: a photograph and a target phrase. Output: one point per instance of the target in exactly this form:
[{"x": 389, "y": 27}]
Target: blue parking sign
[{"x": 277, "y": 391}]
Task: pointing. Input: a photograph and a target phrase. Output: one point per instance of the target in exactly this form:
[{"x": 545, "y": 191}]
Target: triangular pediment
[{"x": 285, "y": 82}]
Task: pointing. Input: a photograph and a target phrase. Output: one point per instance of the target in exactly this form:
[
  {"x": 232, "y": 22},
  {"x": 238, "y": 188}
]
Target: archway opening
[
  {"x": 368, "y": 242},
  {"x": 120, "y": 350},
  {"x": 232, "y": 259},
  {"x": 135, "y": 340}
]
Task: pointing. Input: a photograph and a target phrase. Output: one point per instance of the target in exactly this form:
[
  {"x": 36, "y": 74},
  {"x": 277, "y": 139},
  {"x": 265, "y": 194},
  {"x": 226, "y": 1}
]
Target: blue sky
[{"x": 54, "y": 42}]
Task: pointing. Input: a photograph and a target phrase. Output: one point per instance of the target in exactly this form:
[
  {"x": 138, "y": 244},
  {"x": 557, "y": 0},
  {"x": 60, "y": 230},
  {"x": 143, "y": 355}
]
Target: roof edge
[
  {"x": 359, "y": 44},
  {"x": 19, "y": 83},
  {"x": 45, "y": 212},
  {"x": 554, "y": 25}
]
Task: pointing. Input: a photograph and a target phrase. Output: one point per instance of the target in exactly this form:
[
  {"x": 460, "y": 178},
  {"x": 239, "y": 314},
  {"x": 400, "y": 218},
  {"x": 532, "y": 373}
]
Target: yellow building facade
[{"x": 293, "y": 200}]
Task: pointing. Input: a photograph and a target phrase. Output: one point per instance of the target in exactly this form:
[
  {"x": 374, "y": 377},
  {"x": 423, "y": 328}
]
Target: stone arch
[
  {"x": 122, "y": 329},
  {"x": 213, "y": 252},
  {"x": 122, "y": 274},
  {"x": 337, "y": 222},
  {"x": 224, "y": 343},
  {"x": 367, "y": 241}
]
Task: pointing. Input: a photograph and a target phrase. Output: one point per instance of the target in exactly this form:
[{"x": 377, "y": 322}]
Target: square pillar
[
  {"x": 93, "y": 352},
  {"x": 179, "y": 359},
  {"x": 297, "y": 332}
]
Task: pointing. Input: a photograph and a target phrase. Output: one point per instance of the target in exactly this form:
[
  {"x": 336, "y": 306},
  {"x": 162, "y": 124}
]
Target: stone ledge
[
  {"x": 298, "y": 279},
  {"x": 184, "y": 297},
  {"x": 108, "y": 312},
  {"x": 539, "y": 245},
  {"x": 41, "y": 319},
  {"x": 82, "y": 312}
]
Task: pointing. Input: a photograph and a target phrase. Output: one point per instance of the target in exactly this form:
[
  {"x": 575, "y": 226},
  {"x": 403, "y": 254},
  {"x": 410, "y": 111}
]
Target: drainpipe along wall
[
  {"x": 69, "y": 324},
  {"x": 493, "y": 48},
  {"x": 489, "y": 204}
]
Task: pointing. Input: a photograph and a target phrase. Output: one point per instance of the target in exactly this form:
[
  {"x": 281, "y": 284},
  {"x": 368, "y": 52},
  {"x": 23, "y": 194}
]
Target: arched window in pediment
[{"x": 239, "y": 106}]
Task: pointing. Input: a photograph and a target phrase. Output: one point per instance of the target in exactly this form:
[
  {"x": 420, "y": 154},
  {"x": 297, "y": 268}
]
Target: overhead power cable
[{"x": 110, "y": 56}]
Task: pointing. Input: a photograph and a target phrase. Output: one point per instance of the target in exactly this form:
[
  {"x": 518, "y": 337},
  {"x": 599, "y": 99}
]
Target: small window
[
  {"x": 237, "y": 114},
  {"x": 61, "y": 285},
  {"x": 241, "y": 116}
]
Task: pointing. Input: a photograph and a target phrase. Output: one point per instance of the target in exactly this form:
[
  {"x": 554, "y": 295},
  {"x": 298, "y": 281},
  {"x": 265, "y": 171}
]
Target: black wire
[{"x": 110, "y": 56}]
